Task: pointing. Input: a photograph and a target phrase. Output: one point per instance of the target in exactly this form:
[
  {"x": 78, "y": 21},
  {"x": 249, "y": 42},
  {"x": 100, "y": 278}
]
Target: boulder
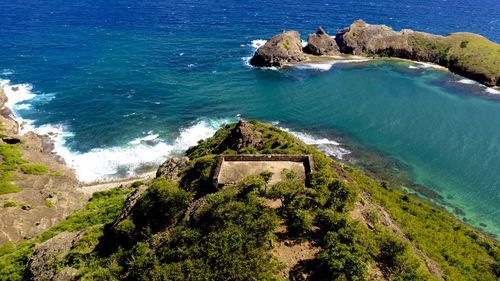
[
  {"x": 281, "y": 49},
  {"x": 320, "y": 43},
  {"x": 171, "y": 168},
  {"x": 40, "y": 265},
  {"x": 241, "y": 137},
  {"x": 362, "y": 38}
]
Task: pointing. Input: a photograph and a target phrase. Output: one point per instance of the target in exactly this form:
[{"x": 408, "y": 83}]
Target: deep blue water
[{"x": 127, "y": 83}]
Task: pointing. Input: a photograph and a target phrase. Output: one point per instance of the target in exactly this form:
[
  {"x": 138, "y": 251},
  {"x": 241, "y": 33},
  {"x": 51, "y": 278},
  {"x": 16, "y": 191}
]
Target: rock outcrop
[
  {"x": 40, "y": 265},
  {"x": 281, "y": 49},
  {"x": 320, "y": 43},
  {"x": 467, "y": 54},
  {"x": 171, "y": 168},
  {"x": 241, "y": 137}
]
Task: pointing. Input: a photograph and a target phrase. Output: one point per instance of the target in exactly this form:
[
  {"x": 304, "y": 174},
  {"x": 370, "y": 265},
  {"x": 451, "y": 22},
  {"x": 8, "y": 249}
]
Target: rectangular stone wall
[{"x": 307, "y": 161}]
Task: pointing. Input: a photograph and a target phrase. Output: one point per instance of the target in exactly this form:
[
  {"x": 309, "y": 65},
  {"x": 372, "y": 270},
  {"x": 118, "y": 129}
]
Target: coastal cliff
[
  {"x": 343, "y": 226},
  {"x": 36, "y": 190},
  {"x": 467, "y": 54}
]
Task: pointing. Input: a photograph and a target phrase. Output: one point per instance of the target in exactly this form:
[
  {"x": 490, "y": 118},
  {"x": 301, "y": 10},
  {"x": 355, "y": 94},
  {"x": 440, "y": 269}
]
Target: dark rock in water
[
  {"x": 11, "y": 140},
  {"x": 15, "y": 88},
  {"x": 321, "y": 43},
  {"x": 171, "y": 168},
  {"x": 281, "y": 49}
]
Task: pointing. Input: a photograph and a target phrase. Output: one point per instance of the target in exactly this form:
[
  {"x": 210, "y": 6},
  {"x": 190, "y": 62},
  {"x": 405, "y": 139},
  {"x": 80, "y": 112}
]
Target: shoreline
[
  {"x": 330, "y": 60},
  {"x": 7, "y": 115}
]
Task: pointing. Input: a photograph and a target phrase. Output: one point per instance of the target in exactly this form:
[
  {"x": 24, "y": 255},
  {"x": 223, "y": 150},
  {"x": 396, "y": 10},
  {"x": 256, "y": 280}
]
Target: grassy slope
[
  {"x": 466, "y": 53},
  {"x": 462, "y": 253},
  {"x": 102, "y": 208},
  {"x": 10, "y": 162}
]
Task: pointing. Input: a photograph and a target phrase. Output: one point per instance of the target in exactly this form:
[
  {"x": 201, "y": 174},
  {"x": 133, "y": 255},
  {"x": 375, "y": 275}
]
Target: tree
[{"x": 266, "y": 175}]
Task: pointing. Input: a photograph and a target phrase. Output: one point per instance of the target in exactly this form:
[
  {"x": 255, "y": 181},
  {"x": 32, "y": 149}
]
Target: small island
[{"x": 466, "y": 54}]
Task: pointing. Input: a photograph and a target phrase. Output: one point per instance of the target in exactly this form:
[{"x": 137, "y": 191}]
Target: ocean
[{"x": 120, "y": 85}]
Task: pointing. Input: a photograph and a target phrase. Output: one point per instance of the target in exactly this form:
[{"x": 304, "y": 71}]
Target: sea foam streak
[
  {"x": 467, "y": 81},
  {"x": 328, "y": 146}
]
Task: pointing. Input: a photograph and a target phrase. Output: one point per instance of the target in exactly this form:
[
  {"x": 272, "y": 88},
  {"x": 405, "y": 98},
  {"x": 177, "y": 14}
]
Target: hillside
[
  {"x": 337, "y": 225},
  {"x": 468, "y": 54}
]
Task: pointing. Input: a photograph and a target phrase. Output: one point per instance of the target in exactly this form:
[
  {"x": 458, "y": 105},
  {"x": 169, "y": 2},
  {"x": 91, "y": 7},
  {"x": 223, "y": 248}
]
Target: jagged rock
[
  {"x": 129, "y": 205},
  {"x": 15, "y": 88},
  {"x": 280, "y": 50},
  {"x": 320, "y": 43},
  {"x": 40, "y": 264},
  {"x": 362, "y": 38},
  {"x": 171, "y": 168},
  {"x": 242, "y": 136}
]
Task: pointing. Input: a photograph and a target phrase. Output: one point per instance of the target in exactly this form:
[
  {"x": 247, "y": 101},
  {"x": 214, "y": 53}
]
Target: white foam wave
[
  {"x": 303, "y": 43},
  {"x": 467, "y": 81},
  {"x": 429, "y": 65},
  {"x": 492, "y": 91},
  {"x": 325, "y": 66},
  {"x": 24, "y": 106},
  {"x": 6, "y": 72},
  {"x": 16, "y": 94},
  {"x": 316, "y": 66},
  {"x": 328, "y": 146},
  {"x": 257, "y": 43},
  {"x": 102, "y": 164},
  {"x": 412, "y": 67},
  {"x": 148, "y": 138}
]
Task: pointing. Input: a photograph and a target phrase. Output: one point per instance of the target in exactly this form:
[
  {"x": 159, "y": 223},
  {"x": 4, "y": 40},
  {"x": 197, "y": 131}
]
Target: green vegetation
[
  {"x": 461, "y": 252},
  {"x": 34, "y": 169},
  {"x": 8, "y": 204},
  {"x": 10, "y": 160},
  {"x": 466, "y": 53},
  {"x": 49, "y": 203},
  {"x": 190, "y": 231},
  {"x": 102, "y": 208},
  {"x": 56, "y": 174}
]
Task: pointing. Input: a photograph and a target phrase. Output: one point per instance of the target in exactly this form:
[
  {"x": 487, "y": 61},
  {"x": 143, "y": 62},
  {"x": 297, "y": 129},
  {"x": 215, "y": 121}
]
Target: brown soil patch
[{"x": 291, "y": 252}]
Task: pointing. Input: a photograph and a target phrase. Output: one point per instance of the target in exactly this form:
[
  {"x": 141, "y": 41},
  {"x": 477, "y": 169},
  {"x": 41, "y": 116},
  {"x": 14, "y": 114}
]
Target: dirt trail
[{"x": 90, "y": 189}]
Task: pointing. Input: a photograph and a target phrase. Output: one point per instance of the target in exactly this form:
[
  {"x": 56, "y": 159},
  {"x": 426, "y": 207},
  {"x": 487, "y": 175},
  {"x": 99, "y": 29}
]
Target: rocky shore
[{"x": 466, "y": 54}]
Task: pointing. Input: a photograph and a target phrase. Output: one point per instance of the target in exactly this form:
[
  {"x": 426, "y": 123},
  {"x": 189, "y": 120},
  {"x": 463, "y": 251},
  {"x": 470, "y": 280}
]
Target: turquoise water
[{"x": 123, "y": 88}]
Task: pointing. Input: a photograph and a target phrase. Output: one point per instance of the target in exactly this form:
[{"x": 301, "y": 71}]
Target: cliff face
[
  {"x": 320, "y": 43},
  {"x": 467, "y": 54},
  {"x": 470, "y": 55},
  {"x": 281, "y": 49}
]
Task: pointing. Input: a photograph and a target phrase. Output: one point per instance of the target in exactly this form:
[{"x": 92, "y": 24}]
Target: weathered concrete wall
[{"x": 248, "y": 164}]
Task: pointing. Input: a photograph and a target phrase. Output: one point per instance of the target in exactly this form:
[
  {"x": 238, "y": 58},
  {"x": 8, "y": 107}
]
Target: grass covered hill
[
  {"x": 468, "y": 54},
  {"x": 343, "y": 226}
]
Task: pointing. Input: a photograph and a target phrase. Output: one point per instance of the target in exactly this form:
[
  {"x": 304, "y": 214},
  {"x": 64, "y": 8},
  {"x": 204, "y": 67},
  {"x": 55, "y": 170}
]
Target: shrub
[
  {"x": 161, "y": 205},
  {"x": 34, "y": 169},
  {"x": 8, "y": 204},
  {"x": 49, "y": 203}
]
